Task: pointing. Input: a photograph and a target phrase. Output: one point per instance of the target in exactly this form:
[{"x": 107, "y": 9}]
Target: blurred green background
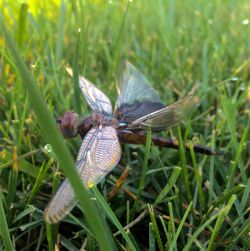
[{"x": 202, "y": 47}]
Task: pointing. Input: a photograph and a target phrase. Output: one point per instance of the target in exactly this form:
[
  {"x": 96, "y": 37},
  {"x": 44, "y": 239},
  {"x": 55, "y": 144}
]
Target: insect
[{"x": 138, "y": 107}]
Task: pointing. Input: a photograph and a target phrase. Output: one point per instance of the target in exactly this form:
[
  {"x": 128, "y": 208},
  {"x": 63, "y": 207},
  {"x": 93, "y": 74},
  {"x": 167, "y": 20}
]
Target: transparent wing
[
  {"x": 96, "y": 99},
  {"x": 126, "y": 114},
  {"x": 134, "y": 87},
  {"x": 98, "y": 155},
  {"x": 168, "y": 116},
  {"x": 61, "y": 204}
]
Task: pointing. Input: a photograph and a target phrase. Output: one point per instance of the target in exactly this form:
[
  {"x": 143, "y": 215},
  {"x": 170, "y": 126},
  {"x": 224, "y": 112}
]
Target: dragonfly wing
[
  {"x": 61, "y": 204},
  {"x": 100, "y": 157},
  {"x": 134, "y": 87},
  {"x": 126, "y": 114},
  {"x": 99, "y": 153},
  {"x": 168, "y": 116},
  {"x": 96, "y": 99}
]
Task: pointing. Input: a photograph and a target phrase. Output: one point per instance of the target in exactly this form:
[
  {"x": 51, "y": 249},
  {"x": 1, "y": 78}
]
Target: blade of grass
[
  {"x": 184, "y": 164},
  {"x": 60, "y": 35},
  {"x": 12, "y": 183},
  {"x": 188, "y": 246},
  {"x": 4, "y": 227},
  {"x": 234, "y": 226},
  {"x": 174, "y": 244},
  {"x": 171, "y": 182},
  {"x": 22, "y": 23},
  {"x": 69, "y": 245},
  {"x": 211, "y": 167},
  {"x": 245, "y": 198},
  {"x": 236, "y": 159},
  {"x": 171, "y": 225},
  {"x": 40, "y": 177},
  {"x": 109, "y": 213},
  {"x": 155, "y": 227},
  {"x": 244, "y": 230},
  {"x": 91, "y": 243},
  {"x": 198, "y": 177},
  {"x": 135, "y": 243},
  {"x": 220, "y": 221},
  {"x": 236, "y": 190},
  {"x": 77, "y": 91},
  {"x": 128, "y": 213},
  {"x": 98, "y": 226},
  {"x": 84, "y": 46},
  {"x": 52, "y": 231},
  {"x": 27, "y": 211},
  {"x": 20, "y": 136},
  {"x": 143, "y": 173},
  {"x": 163, "y": 223},
  {"x": 118, "y": 41},
  {"x": 228, "y": 107},
  {"x": 49, "y": 235},
  {"x": 205, "y": 69},
  {"x": 40, "y": 239},
  {"x": 151, "y": 240},
  {"x": 25, "y": 166}
]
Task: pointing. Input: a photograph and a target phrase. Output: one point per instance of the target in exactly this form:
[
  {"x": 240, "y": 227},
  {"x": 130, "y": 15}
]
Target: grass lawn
[{"x": 169, "y": 199}]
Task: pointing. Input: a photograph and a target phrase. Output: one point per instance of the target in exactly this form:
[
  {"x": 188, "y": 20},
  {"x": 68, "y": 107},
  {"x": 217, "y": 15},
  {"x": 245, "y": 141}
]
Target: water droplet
[
  {"x": 242, "y": 87},
  {"x": 245, "y": 22},
  {"x": 48, "y": 148},
  {"x": 235, "y": 79}
]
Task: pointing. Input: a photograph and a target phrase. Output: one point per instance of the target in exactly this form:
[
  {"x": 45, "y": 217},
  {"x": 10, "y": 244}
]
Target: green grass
[{"x": 171, "y": 200}]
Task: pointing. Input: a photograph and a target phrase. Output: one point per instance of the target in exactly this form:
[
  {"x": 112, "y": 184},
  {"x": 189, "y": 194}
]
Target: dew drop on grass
[
  {"x": 242, "y": 87},
  {"x": 245, "y": 22},
  {"x": 48, "y": 148},
  {"x": 234, "y": 79}
]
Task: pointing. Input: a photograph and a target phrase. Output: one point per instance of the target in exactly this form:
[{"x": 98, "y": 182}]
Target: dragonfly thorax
[{"x": 103, "y": 119}]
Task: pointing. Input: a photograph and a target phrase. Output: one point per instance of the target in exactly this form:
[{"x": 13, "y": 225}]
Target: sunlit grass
[{"x": 171, "y": 200}]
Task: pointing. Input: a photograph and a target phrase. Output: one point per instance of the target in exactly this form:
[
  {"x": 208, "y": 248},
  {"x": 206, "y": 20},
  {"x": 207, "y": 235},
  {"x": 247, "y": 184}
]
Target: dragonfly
[{"x": 137, "y": 108}]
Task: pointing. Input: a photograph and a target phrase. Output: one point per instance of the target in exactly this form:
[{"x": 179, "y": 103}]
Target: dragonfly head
[{"x": 68, "y": 124}]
